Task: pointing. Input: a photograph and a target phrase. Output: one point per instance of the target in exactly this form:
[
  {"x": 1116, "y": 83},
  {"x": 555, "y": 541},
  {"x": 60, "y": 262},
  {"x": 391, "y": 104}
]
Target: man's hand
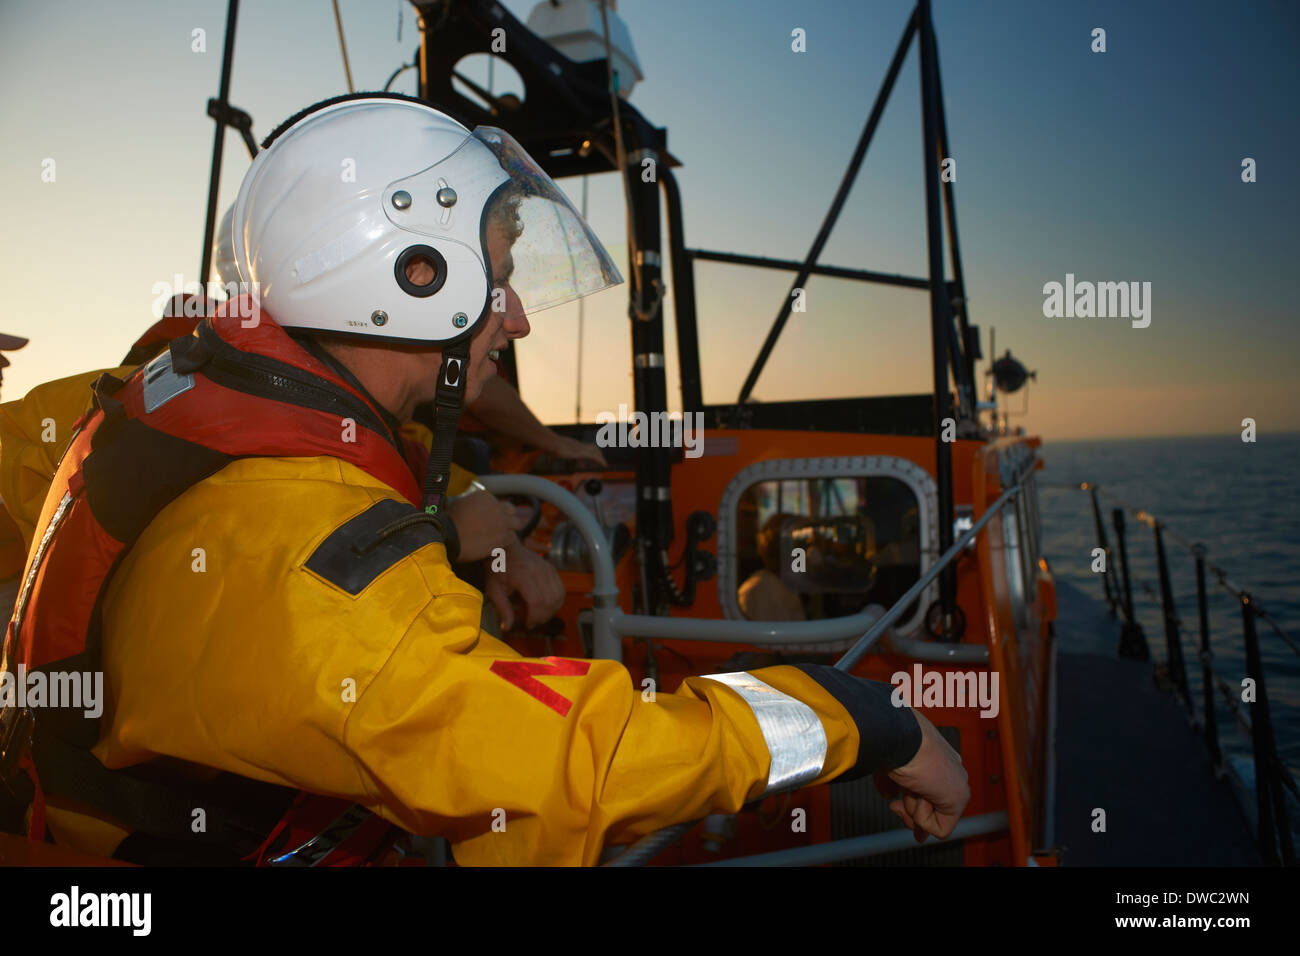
[
  {"x": 484, "y": 523},
  {"x": 929, "y": 792},
  {"x": 570, "y": 449},
  {"x": 533, "y": 578}
]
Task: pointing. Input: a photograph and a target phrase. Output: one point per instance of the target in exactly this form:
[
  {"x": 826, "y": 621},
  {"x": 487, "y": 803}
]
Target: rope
[
  {"x": 343, "y": 46},
  {"x": 1220, "y": 575},
  {"x": 398, "y": 72},
  {"x": 648, "y": 847},
  {"x": 1230, "y": 697},
  {"x": 577, "y": 391}
]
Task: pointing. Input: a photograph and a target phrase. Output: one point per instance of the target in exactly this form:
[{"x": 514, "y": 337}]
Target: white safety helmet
[
  {"x": 225, "y": 251},
  {"x": 348, "y": 193}
]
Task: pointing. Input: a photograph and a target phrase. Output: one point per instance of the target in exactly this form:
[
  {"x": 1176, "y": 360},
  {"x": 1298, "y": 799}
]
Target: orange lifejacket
[{"x": 227, "y": 392}]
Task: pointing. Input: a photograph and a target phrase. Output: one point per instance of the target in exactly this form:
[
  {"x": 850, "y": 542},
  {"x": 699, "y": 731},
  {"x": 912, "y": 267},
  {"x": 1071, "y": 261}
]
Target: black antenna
[
  {"x": 832, "y": 214},
  {"x": 225, "y": 115}
]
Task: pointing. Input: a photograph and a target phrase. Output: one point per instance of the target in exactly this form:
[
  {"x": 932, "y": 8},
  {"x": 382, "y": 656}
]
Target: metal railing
[
  {"x": 873, "y": 844},
  {"x": 1273, "y": 830},
  {"x": 610, "y": 626}
]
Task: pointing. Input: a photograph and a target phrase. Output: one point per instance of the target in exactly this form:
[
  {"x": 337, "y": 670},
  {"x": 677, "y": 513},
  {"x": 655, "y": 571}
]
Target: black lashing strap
[
  {"x": 448, "y": 404},
  {"x": 104, "y": 388},
  {"x": 237, "y": 812}
]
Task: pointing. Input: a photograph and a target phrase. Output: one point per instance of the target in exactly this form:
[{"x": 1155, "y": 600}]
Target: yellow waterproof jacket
[
  {"x": 223, "y": 649},
  {"x": 34, "y": 431},
  {"x": 393, "y": 698}
]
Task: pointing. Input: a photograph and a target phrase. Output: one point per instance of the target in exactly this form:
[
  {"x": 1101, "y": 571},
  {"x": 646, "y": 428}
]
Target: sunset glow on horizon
[{"x": 1117, "y": 167}]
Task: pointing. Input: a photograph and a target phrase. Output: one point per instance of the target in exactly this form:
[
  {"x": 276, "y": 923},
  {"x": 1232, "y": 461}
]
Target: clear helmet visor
[
  {"x": 519, "y": 222},
  {"x": 537, "y": 241}
]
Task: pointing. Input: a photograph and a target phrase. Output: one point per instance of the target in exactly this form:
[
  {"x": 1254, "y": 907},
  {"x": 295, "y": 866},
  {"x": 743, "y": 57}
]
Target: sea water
[{"x": 1239, "y": 499}]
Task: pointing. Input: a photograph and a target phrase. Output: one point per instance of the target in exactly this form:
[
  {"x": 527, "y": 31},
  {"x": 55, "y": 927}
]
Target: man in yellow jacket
[
  {"x": 235, "y": 540},
  {"x": 12, "y": 550},
  {"x": 35, "y": 431}
]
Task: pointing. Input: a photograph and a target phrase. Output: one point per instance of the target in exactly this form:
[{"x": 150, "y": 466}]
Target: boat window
[
  {"x": 736, "y": 298},
  {"x": 812, "y": 548}
]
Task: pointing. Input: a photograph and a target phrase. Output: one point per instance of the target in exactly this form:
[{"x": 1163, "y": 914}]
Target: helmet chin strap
[{"x": 448, "y": 404}]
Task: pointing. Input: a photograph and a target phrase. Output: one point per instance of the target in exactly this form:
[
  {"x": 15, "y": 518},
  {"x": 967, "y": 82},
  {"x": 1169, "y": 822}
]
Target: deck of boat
[{"x": 1124, "y": 745}]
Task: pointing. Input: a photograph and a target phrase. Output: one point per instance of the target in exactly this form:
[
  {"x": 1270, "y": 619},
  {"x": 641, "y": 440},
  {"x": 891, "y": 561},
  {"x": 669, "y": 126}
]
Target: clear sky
[{"x": 1115, "y": 166}]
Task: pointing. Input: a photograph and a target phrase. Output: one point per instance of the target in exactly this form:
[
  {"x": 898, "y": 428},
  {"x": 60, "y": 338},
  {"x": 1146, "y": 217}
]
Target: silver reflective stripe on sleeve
[{"x": 791, "y": 729}]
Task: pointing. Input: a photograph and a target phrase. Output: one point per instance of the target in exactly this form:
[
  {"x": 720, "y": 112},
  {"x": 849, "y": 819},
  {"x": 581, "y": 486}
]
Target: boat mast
[{"x": 941, "y": 317}]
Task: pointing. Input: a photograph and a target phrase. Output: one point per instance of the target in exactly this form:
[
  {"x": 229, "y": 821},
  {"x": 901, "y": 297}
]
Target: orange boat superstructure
[
  {"x": 796, "y": 527},
  {"x": 1005, "y": 593}
]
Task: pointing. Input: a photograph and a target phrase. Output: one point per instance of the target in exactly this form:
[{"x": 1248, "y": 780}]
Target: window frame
[{"x": 916, "y": 478}]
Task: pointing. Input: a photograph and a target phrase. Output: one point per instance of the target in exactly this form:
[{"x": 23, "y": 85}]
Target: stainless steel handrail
[
  {"x": 610, "y": 625},
  {"x": 1271, "y": 817},
  {"x": 873, "y": 844},
  {"x": 855, "y": 653}
]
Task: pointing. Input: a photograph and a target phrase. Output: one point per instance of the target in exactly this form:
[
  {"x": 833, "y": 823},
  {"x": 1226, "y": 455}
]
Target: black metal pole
[
  {"x": 218, "y": 142},
  {"x": 1211, "y": 722},
  {"x": 1173, "y": 643},
  {"x": 1132, "y": 642},
  {"x": 688, "y": 340},
  {"x": 1261, "y": 734},
  {"x": 1111, "y": 599},
  {"x": 940, "y": 315},
  {"x": 833, "y": 213},
  {"x": 1284, "y": 822},
  {"x": 649, "y": 380},
  {"x": 836, "y": 272},
  {"x": 964, "y": 358},
  {"x": 1117, "y": 518}
]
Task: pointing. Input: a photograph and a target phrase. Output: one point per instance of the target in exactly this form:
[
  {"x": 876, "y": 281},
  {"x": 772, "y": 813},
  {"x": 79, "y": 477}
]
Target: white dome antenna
[{"x": 574, "y": 28}]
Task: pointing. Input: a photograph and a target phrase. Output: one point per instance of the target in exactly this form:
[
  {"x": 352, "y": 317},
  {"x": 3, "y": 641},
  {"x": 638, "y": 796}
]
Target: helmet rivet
[
  {"x": 460, "y": 320},
  {"x": 446, "y": 197},
  {"x": 378, "y": 317},
  {"x": 401, "y": 199}
]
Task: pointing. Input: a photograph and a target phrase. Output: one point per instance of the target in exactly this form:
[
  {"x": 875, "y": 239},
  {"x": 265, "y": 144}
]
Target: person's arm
[
  {"x": 529, "y": 575},
  {"x": 763, "y": 597},
  {"x": 485, "y": 528},
  {"x": 500, "y": 408},
  {"x": 483, "y": 523},
  {"x": 548, "y": 761},
  {"x": 35, "y": 431},
  {"x": 363, "y": 673}
]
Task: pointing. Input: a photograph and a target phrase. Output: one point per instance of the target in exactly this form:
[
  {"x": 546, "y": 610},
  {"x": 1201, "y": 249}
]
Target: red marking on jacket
[{"x": 520, "y": 673}]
